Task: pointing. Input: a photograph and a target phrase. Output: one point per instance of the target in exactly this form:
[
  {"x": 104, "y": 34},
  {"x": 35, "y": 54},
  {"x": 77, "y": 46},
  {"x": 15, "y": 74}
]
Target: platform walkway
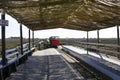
[
  {"x": 45, "y": 65},
  {"x": 107, "y": 65}
]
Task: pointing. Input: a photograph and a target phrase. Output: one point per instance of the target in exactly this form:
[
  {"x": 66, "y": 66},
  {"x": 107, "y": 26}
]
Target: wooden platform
[{"x": 45, "y": 65}]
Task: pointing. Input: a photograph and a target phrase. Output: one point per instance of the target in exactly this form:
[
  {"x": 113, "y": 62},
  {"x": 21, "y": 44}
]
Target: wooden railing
[
  {"x": 14, "y": 58},
  {"x": 107, "y": 49},
  {"x": 15, "y": 52}
]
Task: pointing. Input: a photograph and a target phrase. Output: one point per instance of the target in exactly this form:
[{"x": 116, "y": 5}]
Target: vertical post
[
  {"x": 118, "y": 38},
  {"x": 29, "y": 39},
  {"x": 4, "y": 60},
  {"x": 98, "y": 41},
  {"x": 21, "y": 39},
  {"x": 87, "y": 40},
  {"x": 98, "y": 38},
  {"x": 33, "y": 38}
]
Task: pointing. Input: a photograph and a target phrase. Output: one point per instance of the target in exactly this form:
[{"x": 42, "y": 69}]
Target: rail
[
  {"x": 15, "y": 52},
  {"x": 107, "y": 49},
  {"x": 14, "y": 58}
]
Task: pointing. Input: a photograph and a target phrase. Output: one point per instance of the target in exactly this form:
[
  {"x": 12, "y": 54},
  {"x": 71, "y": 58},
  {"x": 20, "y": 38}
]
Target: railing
[
  {"x": 107, "y": 49},
  {"x": 14, "y": 58},
  {"x": 15, "y": 52}
]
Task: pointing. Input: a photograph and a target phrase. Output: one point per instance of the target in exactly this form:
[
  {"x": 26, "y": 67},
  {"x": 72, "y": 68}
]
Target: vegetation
[
  {"x": 12, "y": 43},
  {"x": 92, "y": 40}
]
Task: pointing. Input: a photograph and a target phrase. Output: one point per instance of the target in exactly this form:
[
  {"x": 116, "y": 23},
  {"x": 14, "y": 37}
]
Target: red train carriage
[{"x": 54, "y": 41}]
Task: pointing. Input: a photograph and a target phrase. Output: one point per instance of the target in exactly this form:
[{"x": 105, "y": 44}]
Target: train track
[{"x": 83, "y": 69}]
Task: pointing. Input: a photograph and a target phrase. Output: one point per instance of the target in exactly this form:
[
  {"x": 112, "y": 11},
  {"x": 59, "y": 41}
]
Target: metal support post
[
  {"x": 4, "y": 60},
  {"x": 87, "y": 40},
  {"x": 33, "y": 38},
  {"x": 118, "y": 38},
  {"x": 21, "y": 39},
  {"x": 29, "y": 40}
]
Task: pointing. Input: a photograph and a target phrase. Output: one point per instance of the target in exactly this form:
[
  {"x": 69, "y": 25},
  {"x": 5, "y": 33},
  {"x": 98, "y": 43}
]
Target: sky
[{"x": 13, "y": 31}]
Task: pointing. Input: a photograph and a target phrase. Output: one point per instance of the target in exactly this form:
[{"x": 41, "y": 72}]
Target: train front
[{"x": 54, "y": 41}]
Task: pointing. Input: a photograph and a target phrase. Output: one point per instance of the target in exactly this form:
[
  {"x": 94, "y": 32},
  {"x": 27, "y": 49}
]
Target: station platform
[
  {"x": 45, "y": 65},
  {"x": 107, "y": 65}
]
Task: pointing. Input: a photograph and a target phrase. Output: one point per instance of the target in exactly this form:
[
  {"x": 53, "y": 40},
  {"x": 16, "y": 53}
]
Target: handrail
[
  {"x": 100, "y": 44},
  {"x": 11, "y": 55},
  {"x": 13, "y": 59},
  {"x": 15, "y": 52},
  {"x": 97, "y": 44},
  {"x": 9, "y": 51},
  {"x": 108, "y": 49}
]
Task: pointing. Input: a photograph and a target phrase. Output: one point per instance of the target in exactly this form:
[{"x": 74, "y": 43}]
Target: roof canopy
[{"x": 72, "y": 14}]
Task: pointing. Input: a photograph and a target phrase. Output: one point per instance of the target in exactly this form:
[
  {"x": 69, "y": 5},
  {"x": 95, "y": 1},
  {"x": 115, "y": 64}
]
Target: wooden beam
[
  {"x": 29, "y": 40},
  {"x": 33, "y": 38},
  {"x": 87, "y": 40},
  {"x": 118, "y": 38},
  {"x": 21, "y": 39},
  {"x": 4, "y": 60},
  {"x": 98, "y": 41}
]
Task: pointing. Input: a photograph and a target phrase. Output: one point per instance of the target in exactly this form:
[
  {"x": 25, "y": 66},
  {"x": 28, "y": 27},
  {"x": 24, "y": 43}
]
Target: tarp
[{"x": 84, "y": 15}]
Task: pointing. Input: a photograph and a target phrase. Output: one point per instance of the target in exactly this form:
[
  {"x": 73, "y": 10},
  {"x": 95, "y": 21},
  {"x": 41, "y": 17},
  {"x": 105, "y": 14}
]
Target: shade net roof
[{"x": 83, "y": 15}]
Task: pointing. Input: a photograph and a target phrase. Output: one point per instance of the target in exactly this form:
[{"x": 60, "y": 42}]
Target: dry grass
[{"x": 12, "y": 43}]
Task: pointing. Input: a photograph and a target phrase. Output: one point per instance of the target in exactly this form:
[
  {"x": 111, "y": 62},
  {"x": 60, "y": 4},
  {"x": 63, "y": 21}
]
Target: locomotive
[{"x": 54, "y": 41}]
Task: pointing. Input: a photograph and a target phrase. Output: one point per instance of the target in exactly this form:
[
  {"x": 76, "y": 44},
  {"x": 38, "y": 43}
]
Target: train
[{"x": 54, "y": 41}]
